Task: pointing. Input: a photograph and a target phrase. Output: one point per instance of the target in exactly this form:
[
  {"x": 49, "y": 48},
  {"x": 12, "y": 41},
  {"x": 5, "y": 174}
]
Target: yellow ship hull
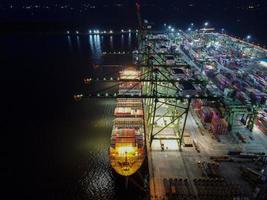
[{"x": 126, "y": 163}]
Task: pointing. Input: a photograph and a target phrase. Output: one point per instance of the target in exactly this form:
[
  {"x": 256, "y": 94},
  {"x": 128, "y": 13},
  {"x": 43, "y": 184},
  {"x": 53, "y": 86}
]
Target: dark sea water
[{"x": 54, "y": 147}]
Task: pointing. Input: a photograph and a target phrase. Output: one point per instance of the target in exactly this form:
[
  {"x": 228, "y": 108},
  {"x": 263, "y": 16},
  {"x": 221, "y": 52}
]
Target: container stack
[
  {"x": 222, "y": 81},
  {"x": 218, "y": 125},
  {"x": 256, "y": 95},
  {"x": 207, "y": 113},
  {"x": 133, "y": 103},
  {"x": 128, "y": 112},
  {"x": 261, "y": 121},
  {"x": 127, "y": 138},
  {"x": 241, "y": 96},
  {"x": 128, "y": 122},
  {"x": 121, "y": 134},
  {"x": 197, "y": 104}
]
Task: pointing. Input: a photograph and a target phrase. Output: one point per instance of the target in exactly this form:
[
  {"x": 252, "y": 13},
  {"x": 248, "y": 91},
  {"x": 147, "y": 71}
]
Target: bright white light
[
  {"x": 172, "y": 30},
  {"x": 68, "y": 32},
  {"x": 122, "y": 30},
  {"x": 110, "y": 31},
  {"x": 206, "y": 23},
  {"x": 189, "y": 29},
  {"x": 169, "y": 27},
  {"x": 126, "y": 149},
  {"x": 263, "y": 63},
  {"x": 192, "y": 24},
  {"x": 209, "y": 67},
  {"x": 249, "y": 37},
  {"x": 77, "y": 32},
  {"x": 96, "y": 31},
  {"x": 129, "y": 30},
  {"x": 90, "y": 31}
]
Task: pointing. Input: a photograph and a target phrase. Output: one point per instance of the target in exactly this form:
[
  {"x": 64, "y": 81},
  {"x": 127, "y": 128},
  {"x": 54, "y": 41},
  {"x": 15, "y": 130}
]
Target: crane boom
[{"x": 138, "y": 10}]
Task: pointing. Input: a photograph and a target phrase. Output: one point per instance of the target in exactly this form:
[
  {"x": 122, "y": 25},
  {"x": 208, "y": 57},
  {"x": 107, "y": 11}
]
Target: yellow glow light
[
  {"x": 126, "y": 149},
  {"x": 129, "y": 74}
]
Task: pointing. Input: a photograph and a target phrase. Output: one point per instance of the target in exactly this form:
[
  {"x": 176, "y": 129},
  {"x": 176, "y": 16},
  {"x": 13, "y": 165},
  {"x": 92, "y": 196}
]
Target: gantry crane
[{"x": 160, "y": 88}]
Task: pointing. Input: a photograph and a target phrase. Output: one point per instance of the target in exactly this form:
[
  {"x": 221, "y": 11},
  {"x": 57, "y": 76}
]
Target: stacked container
[
  {"x": 197, "y": 103},
  {"x": 218, "y": 125},
  {"x": 207, "y": 114},
  {"x": 261, "y": 121},
  {"x": 127, "y": 139}
]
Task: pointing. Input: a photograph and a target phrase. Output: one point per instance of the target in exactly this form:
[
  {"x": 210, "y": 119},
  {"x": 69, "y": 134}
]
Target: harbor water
[{"x": 57, "y": 148}]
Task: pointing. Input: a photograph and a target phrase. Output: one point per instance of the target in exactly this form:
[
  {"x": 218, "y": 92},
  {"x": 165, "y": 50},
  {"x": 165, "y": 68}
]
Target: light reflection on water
[
  {"x": 78, "y": 43},
  {"x": 122, "y": 40},
  {"x": 69, "y": 42},
  {"x": 95, "y": 48},
  {"x": 111, "y": 42},
  {"x": 129, "y": 40}
]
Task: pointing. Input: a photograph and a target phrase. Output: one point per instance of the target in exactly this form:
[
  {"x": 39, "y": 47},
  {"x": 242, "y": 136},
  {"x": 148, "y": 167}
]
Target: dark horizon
[{"x": 235, "y": 17}]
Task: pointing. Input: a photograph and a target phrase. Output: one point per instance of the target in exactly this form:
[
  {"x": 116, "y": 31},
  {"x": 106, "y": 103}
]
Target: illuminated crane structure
[
  {"x": 163, "y": 90},
  {"x": 172, "y": 85},
  {"x": 167, "y": 88}
]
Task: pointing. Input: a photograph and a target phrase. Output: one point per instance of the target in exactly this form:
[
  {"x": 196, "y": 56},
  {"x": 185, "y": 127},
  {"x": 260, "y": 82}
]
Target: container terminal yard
[{"x": 193, "y": 104}]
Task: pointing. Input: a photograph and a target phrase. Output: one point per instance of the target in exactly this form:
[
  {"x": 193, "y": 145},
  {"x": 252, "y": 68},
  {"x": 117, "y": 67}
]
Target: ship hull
[{"x": 127, "y": 148}]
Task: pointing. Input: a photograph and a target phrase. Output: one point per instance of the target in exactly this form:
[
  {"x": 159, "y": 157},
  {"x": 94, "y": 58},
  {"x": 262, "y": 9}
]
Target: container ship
[
  {"x": 127, "y": 147},
  {"x": 261, "y": 121}
]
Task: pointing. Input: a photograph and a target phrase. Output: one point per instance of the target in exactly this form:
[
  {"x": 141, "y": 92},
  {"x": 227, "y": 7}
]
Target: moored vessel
[{"x": 127, "y": 139}]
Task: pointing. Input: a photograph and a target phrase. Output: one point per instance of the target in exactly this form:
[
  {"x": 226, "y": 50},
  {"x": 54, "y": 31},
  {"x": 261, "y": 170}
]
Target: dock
[{"x": 200, "y": 121}]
